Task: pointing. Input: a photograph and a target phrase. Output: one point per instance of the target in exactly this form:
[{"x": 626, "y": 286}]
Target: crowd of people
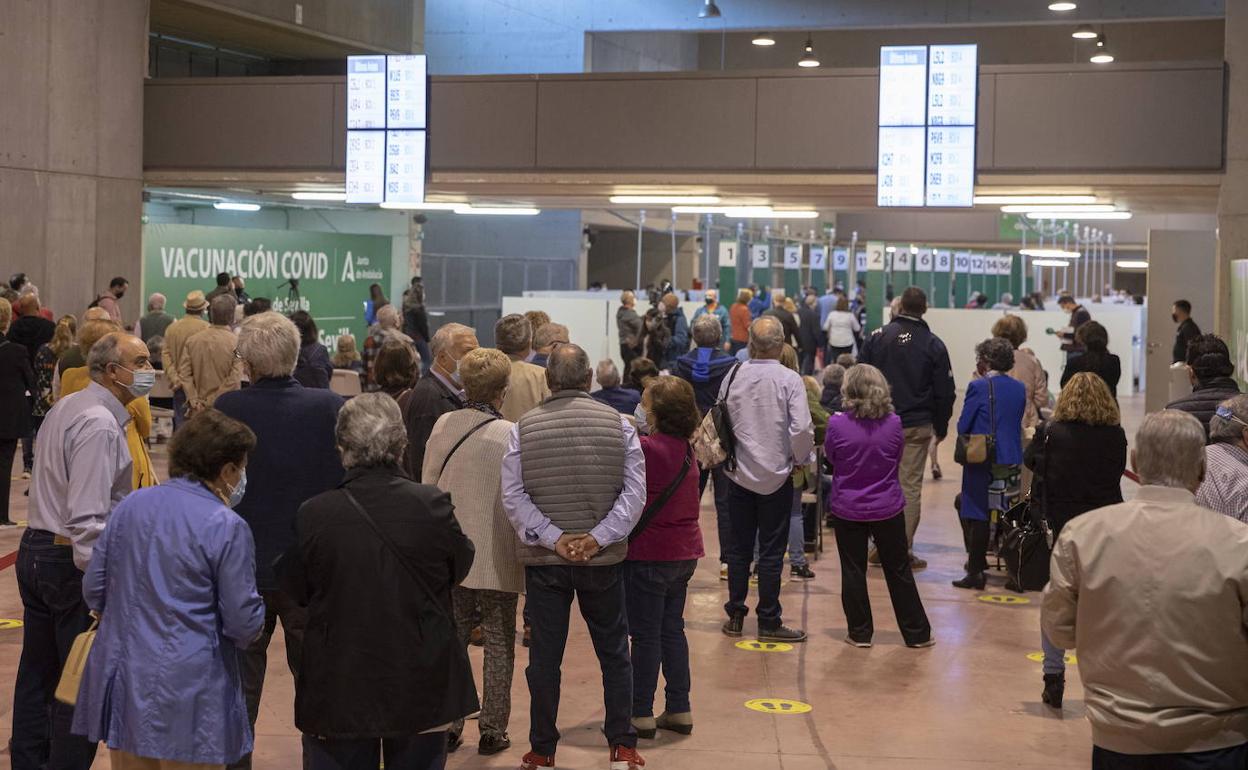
[{"x": 515, "y": 479}]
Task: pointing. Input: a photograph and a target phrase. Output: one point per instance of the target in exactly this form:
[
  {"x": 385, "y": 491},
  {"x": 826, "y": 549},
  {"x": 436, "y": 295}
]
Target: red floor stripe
[{"x": 8, "y": 560}]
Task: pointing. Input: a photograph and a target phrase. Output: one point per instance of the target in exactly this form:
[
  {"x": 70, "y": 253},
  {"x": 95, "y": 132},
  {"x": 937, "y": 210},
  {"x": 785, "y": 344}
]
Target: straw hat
[{"x": 195, "y": 302}]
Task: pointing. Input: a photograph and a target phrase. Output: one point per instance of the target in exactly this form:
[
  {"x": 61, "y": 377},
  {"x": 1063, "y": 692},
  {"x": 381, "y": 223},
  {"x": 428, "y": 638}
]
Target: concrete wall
[
  {"x": 613, "y": 258},
  {"x": 640, "y": 51},
  {"x": 71, "y": 144}
]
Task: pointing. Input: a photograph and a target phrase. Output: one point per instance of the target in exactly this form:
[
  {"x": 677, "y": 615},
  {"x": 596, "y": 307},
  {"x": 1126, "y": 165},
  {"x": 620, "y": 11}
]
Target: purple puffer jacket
[{"x": 865, "y": 456}]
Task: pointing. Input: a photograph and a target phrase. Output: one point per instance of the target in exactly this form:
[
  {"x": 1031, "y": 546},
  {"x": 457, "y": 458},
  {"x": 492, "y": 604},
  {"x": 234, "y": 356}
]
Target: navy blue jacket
[
  {"x": 295, "y": 459},
  {"x": 916, "y": 365},
  {"x": 622, "y": 400},
  {"x": 705, "y": 368}
]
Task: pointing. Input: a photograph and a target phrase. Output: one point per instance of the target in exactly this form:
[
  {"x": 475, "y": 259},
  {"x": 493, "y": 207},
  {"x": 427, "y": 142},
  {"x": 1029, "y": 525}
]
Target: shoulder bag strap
[
  {"x": 992, "y": 410},
  {"x": 653, "y": 509},
  {"x": 394, "y": 549},
  {"x": 461, "y": 441},
  {"x": 731, "y": 377}
]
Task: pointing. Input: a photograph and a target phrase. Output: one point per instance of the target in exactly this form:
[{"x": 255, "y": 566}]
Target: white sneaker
[
  {"x": 25, "y": 475},
  {"x": 723, "y": 571}
]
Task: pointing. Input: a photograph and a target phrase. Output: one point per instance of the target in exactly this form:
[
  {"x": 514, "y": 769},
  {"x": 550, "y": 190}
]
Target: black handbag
[
  {"x": 979, "y": 448},
  {"x": 1028, "y": 542}
]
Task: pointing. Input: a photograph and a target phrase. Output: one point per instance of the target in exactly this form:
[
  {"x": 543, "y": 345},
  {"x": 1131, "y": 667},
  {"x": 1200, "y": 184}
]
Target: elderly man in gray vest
[{"x": 574, "y": 486}]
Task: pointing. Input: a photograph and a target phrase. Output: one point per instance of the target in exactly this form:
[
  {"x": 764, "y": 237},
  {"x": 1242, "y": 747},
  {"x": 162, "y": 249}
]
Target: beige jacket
[
  {"x": 207, "y": 367},
  {"x": 175, "y": 337},
  {"x": 473, "y": 478},
  {"x": 1027, "y": 370},
  {"x": 1154, "y": 594},
  {"x": 526, "y": 389}
]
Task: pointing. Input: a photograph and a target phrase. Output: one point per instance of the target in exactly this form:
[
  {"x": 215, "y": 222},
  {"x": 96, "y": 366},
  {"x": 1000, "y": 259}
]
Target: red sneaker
[
  {"x": 532, "y": 761},
  {"x": 624, "y": 758}
]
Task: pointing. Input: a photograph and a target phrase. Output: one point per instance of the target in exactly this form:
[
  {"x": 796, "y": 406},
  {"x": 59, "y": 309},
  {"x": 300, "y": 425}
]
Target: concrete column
[
  {"x": 1233, "y": 202},
  {"x": 71, "y": 146}
]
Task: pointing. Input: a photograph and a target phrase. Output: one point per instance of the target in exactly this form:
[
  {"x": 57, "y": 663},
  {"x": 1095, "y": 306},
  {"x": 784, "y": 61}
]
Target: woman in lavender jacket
[{"x": 863, "y": 446}]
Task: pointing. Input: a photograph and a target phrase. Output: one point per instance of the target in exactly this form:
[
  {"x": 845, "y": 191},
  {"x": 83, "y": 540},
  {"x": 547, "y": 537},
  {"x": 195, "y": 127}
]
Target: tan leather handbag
[{"x": 76, "y": 664}]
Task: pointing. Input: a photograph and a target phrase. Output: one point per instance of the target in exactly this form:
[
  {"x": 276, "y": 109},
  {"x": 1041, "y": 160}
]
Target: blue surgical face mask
[
  {"x": 142, "y": 382},
  {"x": 236, "y": 494}
]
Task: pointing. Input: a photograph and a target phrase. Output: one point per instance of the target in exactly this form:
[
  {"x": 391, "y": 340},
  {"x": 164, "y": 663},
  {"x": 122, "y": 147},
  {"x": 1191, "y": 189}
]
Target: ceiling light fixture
[
  {"x": 890, "y": 249},
  {"x": 1064, "y": 207},
  {"x": 809, "y": 59},
  {"x": 1082, "y": 215},
  {"x": 1102, "y": 55},
  {"x": 499, "y": 211},
  {"x": 1049, "y": 253},
  {"x": 319, "y": 196},
  {"x": 1084, "y": 32},
  {"x": 709, "y": 11},
  {"x": 678, "y": 200},
  {"x": 235, "y": 206},
  {"x": 1041, "y": 199},
  {"x": 747, "y": 212},
  {"x": 1049, "y": 263},
  {"x": 423, "y": 206},
  {"x": 1062, "y": 7},
  {"x": 1132, "y": 264},
  {"x": 764, "y": 39}
]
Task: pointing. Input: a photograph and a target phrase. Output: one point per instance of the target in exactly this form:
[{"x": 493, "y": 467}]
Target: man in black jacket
[
  {"x": 436, "y": 394},
  {"x": 1209, "y": 367},
  {"x": 1181, "y": 312},
  {"x": 916, "y": 365},
  {"x": 809, "y": 332},
  {"x": 1079, "y": 316}
]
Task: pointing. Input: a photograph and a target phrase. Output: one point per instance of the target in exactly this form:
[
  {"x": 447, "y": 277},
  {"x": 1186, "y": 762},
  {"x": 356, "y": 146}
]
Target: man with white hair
[
  {"x": 437, "y": 394},
  {"x": 295, "y": 459},
  {"x": 386, "y": 328},
  {"x": 155, "y": 322},
  {"x": 771, "y": 422},
  {"x": 611, "y": 392},
  {"x": 82, "y": 471},
  {"x": 1154, "y": 594},
  {"x": 545, "y": 338}
]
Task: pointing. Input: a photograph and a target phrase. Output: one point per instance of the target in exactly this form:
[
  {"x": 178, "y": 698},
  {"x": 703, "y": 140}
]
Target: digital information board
[
  {"x": 387, "y": 129},
  {"x": 928, "y": 99}
]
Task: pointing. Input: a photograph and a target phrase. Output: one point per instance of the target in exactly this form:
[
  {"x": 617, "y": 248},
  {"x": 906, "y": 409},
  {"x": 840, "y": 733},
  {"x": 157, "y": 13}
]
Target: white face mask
[{"x": 643, "y": 425}]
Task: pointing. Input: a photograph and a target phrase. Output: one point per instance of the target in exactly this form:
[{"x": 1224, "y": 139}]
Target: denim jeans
[
  {"x": 717, "y": 477},
  {"x": 254, "y": 661},
  {"x": 1233, "y": 758},
  {"x": 426, "y": 751},
  {"x": 600, "y": 594},
  {"x": 54, "y": 614},
  {"x": 655, "y": 596},
  {"x": 426, "y": 357},
  {"x": 767, "y": 518},
  {"x": 797, "y": 532},
  {"x": 1054, "y": 656}
]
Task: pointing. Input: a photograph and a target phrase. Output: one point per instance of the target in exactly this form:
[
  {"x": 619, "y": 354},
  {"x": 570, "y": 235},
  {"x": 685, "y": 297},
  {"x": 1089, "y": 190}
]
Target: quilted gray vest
[{"x": 572, "y": 460}]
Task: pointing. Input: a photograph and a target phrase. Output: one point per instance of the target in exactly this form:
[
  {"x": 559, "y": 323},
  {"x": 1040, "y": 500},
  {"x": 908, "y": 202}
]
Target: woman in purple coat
[{"x": 863, "y": 446}]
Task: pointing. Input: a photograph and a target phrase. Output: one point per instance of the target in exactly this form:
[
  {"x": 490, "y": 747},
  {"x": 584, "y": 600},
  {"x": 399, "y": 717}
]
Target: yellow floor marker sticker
[
  {"x": 757, "y": 646},
  {"x": 1038, "y": 657},
  {"x": 1004, "y": 599},
  {"x": 7, "y": 623},
  {"x": 778, "y": 706}
]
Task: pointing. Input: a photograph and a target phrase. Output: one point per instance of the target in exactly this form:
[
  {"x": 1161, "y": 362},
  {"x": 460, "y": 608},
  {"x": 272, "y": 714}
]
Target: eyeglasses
[{"x": 238, "y": 355}]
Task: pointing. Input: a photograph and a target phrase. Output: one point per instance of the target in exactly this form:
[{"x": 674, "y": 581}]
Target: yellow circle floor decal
[
  {"x": 764, "y": 646},
  {"x": 7, "y": 623},
  {"x": 1038, "y": 657},
  {"x": 778, "y": 706},
  {"x": 1004, "y": 599}
]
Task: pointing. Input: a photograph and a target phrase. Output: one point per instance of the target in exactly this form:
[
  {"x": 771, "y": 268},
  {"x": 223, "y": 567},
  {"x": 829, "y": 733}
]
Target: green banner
[{"x": 332, "y": 271}]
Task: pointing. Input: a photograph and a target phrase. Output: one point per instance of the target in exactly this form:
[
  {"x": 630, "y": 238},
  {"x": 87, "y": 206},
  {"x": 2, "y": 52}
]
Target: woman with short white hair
[{"x": 1225, "y": 486}]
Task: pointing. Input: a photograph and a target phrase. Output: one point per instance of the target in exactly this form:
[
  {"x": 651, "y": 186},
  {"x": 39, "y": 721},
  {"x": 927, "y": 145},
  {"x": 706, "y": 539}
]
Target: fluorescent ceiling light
[
  {"x": 1050, "y": 263},
  {"x": 673, "y": 199},
  {"x": 1103, "y": 57},
  {"x": 1084, "y": 32},
  {"x": 499, "y": 211},
  {"x": 1059, "y": 214},
  {"x": 319, "y": 196},
  {"x": 1132, "y": 264},
  {"x": 1049, "y": 253},
  {"x": 1063, "y": 6},
  {"x": 1064, "y": 207},
  {"x": 764, "y": 39},
  {"x": 425, "y": 206},
  {"x": 809, "y": 59},
  {"x": 234, "y": 206},
  {"x": 747, "y": 212},
  {"x": 1041, "y": 200},
  {"x": 914, "y": 249},
  {"x": 890, "y": 249}
]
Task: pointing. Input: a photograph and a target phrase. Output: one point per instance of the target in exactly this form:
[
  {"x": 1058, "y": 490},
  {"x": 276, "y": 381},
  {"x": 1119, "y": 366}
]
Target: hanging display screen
[{"x": 387, "y": 122}]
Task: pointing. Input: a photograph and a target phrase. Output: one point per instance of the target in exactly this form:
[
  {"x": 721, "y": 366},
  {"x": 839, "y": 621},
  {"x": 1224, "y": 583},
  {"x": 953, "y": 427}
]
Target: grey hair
[
  {"x": 707, "y": 331},
  {"x": 567, "y": 369},
  {"x": 547, "y": 334},
  {"x": 222, "y": 309},
  {"x": 766, "y": 337},
  {"x": 833, "y": 375},
  {"x": 106, "y": 351},
  {"x": 866, "y": 393},
  {"x": 513, "y": 334},
  {"x": 444, "y": 338},
  {"x": 1007, "y": 298},
  {"x": 370, "y": 431},
  {"x": 608, "y": 376},
  {"x": 388, "y": 317},
  {"x": 156, "y": 302},
  {"x": 1229, "y": 429},
  {"x": 997, "y": 352},
  {"x": 1170, "y": 450},
  {"x": 269, "y": 343}
]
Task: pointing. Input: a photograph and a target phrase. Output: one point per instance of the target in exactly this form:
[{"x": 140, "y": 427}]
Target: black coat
[
  {"x": 809, "y": 333},
  {"x": 32, "y": 331},
  {"x": 1187, "y": 331},
  {"x": 916, "y": 364},
  {"x": 830, "y": 399},
  {"x": 428, "y": 400},
  {"x": 1078, "y": 468},
  {"x": 379, "y": 658},
  {"x": 787, "y": 320},
  {"x": 1205, "y": 397},
  {"x": 1106, "y": 366},
  {"x": 16, "y": 379},
  {"x": 313, "y": 369}
]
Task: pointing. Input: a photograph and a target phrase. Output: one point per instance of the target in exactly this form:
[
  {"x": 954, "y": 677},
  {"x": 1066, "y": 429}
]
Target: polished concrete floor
[{"x": 972, "y": 701}]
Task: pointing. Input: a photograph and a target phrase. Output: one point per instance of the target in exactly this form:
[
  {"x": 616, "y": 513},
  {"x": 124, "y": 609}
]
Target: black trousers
[
  {"x": 254, "y": 661},
  {"x": 764, "y": 518},
  {"x": 8, "y": 448},
  {"x": 426, "y": 751},
  {"x": 975, "y": 534},
  {"x": 722, "y": 520},
  {"x": 890, "y": 538},
  {"x": 600, "y": 593},
  {"x": 1233, "y": 758},
  {"x": 627, "y": 354}
]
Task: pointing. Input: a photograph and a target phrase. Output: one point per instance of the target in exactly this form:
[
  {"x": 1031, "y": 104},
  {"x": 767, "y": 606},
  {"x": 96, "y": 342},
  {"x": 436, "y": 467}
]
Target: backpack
[{"x": 714, "y": 442}]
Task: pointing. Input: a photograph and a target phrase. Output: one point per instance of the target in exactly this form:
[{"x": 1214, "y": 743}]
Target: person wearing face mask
[
  {"x": 434, "y": 396},
  {"x": 1181, "y": 312},
  {"x": 172, "y": 582},
  {"x": 82, "y": 471},
  {"x": 110, "y": 300},
  {"x": 713, "y": 308}
]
